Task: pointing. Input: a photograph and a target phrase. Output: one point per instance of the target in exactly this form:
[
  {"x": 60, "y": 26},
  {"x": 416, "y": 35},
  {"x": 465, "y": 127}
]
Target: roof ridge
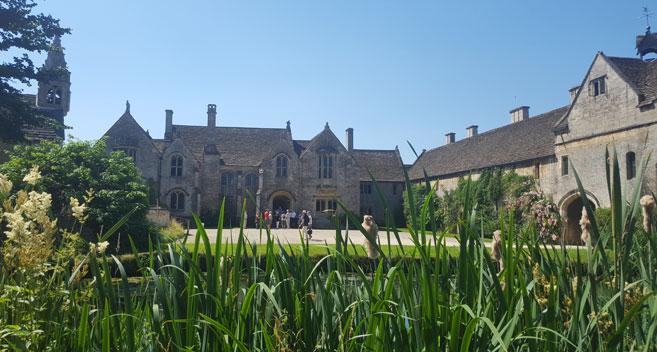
[
  {"x": 539, "y": 116},
  {"x": 243, "y": 128},
  {"x": 374, "y": 150}
]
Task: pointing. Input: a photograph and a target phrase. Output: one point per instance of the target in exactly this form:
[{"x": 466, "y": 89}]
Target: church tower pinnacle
[{"x": 54, "y": 96}]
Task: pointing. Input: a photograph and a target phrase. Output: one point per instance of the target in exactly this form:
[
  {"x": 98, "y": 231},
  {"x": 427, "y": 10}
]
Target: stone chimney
[
  {"x": 211, "y": 133},
  {"x": 212, "y": 115},
  {"x": 350, "y": 139},
  {"x": 449, "y": 138},
  {"x": 573, "y": 93},
  {"x": 168, "y": 125},
  {"x": 471, "y": 131},
  {"x": 519, "y": 114}
]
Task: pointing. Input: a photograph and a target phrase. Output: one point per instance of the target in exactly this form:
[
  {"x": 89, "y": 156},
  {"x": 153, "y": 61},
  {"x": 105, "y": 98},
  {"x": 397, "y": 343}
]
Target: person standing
[
  {"x": 305, "y": 220},
  {"x": 277, "y": 219},
  {"x": 268, "y": 219},
  {"x": 287, "y": 219},
  {"x": 293, "y": 218},
  {"x": 310, "y": 220}
]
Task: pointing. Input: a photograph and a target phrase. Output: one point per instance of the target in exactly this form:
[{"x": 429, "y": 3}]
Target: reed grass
[{"x": 281, "y": 297}]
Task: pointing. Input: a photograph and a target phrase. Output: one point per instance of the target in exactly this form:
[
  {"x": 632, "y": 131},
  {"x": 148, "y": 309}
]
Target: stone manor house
[{"x": 194, "y": 167}]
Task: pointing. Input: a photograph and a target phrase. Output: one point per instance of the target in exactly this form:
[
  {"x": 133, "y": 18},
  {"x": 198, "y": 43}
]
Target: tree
[
  {"x": 23, "y": 32},
  {"x": 73, "y": 169}
]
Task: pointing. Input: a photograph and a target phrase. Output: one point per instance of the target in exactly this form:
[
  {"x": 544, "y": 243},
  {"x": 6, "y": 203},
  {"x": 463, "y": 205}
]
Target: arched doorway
[
  {"x": 572, "y": 207},
  {"x": 281, "y": 200}
]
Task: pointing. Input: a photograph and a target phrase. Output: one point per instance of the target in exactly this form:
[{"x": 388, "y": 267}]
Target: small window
[
  {"x": 176, "y": 166},
  {"x": 365, "y": 188},
  {"x": 597, "y": 86},
  {"x": 630, "y": 163},
  {"x": 177, "y": 201},
  {"x": 281, "y": 166},
  {"x": 325, "y": 205},
  {"x": 564, "y": 165},
  {"x": 325, "y": 166}
]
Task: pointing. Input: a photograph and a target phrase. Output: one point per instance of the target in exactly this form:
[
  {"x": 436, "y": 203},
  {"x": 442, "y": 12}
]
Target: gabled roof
[
  {"x": 236, "y": 145},
  {"x": 385, "y": 165},
  {"x": 521, "y": 141},
  {"x": 325, "y": 134},
  {"x": 127, "y": 118},
  {"x": 641, "y": 74}
]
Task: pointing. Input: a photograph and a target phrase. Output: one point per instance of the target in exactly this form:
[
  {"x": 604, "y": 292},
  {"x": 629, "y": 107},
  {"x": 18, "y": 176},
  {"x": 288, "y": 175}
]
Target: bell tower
[
  {"x": 647, "y": 43},
  {"x": 54, "y": 96}
]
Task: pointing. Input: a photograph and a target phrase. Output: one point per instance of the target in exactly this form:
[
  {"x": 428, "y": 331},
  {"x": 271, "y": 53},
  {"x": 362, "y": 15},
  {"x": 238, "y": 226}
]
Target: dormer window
[{"x": 597, "y": 86}]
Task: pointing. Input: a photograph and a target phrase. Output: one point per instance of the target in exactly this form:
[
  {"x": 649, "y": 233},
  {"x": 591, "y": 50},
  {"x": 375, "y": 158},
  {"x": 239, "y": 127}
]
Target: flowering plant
[{"x": 535, "y": 206}]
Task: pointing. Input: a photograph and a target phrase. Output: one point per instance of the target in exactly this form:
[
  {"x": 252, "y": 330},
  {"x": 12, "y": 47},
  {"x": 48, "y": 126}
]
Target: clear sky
[{"x": 395, "y": 71}]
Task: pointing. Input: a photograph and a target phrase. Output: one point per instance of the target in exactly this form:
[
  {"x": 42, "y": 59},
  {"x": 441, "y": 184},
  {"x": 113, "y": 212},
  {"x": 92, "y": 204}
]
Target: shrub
[{"x": 71, "y": 170}]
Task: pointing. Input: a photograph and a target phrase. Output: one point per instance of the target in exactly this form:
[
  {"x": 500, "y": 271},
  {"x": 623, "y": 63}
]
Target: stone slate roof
[
  {"x": 525, "y": 140},
  {"x": 300, "y": 146},
  {"x": 385, "y": 165},
  {"x": 236, "y": 145},
  {"x": 641, "y": 74},
  {"x": 159, "y": 144}
]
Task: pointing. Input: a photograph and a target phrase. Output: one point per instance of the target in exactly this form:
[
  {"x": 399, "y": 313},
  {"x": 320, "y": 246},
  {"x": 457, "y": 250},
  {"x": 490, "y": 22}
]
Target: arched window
[
  {"x": 252, "y": 183},
  {"x": 227, "y": 183},
  {"x": 281, "y": 166},
  {"x": 176, "y": 165},
  {"x": 630, "y": 163},
  {"x": 177, "y": 201},
  {"x": 50, "y": 97},
  {"x": 325, "y": 166},
  {"x": 58, "y": 96}
]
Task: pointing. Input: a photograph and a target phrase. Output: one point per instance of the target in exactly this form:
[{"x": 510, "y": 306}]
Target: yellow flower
[
  {"x": 5, "y": 185},
  {"x": 78, "y": 210},
  {"x": 102, "y": 246},
  {"x": 33, "y": 176}
]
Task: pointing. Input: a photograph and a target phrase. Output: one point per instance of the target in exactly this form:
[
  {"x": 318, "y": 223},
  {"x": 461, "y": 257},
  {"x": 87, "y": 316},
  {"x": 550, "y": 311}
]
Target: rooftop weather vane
[{"x": 647, "y": 14}]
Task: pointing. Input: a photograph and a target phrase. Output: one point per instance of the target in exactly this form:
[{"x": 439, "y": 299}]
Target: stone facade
[
  {"x": 613, "y": 107},
  {"x": 193, "y": 169}
]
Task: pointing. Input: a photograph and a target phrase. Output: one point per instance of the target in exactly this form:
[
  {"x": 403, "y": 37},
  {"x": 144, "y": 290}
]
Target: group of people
[{"x": 287, "y": 219}]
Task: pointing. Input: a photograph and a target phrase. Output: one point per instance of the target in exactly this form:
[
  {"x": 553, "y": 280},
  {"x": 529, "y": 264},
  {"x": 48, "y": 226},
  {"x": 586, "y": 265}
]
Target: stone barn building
[{"x": 614, "y": 105}]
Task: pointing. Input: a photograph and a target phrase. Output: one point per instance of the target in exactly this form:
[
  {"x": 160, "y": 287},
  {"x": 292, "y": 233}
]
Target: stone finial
[
  {"x": 127, "y": 106},
  {"x": 326, "y": 126},
  {"x": 287, "y": 127}
]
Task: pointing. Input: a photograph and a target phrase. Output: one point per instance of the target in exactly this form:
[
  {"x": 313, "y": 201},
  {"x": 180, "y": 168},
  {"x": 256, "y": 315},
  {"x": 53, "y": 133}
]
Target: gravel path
[{"x": 319, "y": 236}]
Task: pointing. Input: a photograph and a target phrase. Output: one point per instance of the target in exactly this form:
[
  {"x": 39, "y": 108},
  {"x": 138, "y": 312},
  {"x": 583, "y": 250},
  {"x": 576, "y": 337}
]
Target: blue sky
[{"x": 395, "y": 71}]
